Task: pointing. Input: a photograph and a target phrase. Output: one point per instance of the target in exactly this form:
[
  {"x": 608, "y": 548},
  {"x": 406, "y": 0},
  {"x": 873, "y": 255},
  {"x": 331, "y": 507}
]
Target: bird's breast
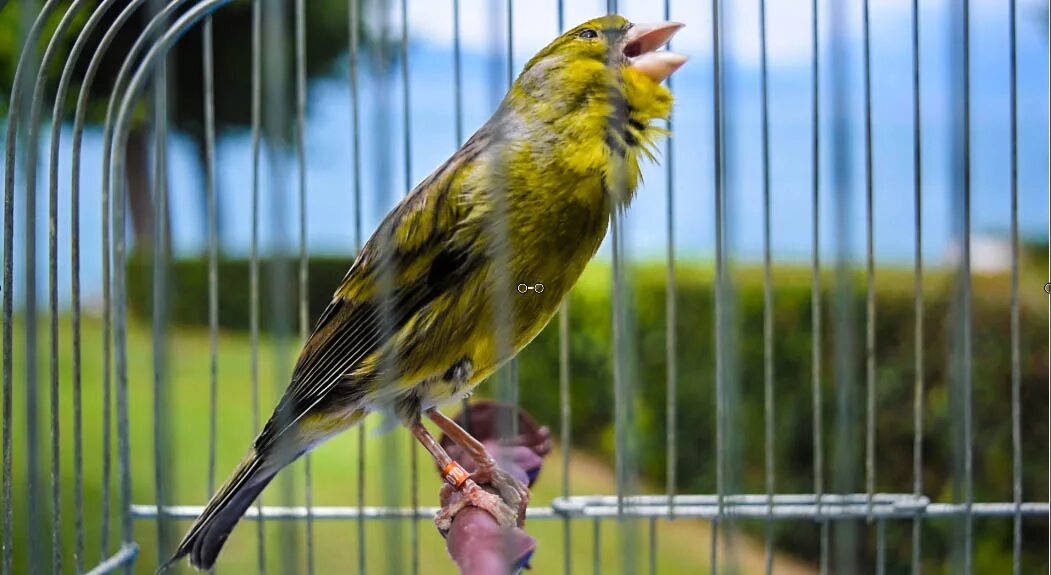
[{"x": 553, "y": 248}]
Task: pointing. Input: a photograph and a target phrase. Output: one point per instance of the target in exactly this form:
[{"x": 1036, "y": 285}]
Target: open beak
[{"x": 641, "y": 44}]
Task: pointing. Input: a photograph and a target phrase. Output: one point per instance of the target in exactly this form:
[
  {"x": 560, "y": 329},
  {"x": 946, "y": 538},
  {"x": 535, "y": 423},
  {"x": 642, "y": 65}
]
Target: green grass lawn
[{"x": 682, "y": 546}]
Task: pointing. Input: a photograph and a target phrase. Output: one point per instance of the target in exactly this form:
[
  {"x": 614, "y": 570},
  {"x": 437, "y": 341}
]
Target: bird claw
[
  {"x": 473, "y": 495},
  {"x": 511, "y": 490}
]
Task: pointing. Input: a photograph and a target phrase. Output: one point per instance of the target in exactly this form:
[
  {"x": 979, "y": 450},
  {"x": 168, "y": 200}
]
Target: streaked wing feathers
[{"x": 417, "y": 254}]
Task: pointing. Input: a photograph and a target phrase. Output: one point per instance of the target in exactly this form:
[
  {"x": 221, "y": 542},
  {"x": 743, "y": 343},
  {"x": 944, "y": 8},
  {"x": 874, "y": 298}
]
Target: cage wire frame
[{"x": 145, "y": 63}]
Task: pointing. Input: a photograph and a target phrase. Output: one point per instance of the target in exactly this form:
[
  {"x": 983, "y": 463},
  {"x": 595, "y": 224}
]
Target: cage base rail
[
  {"x": 746, "y": 506},
  {"x": 316, "y": 512},
  {"x": 126, "y": 555},
  {"x": 787, "y": 506}
]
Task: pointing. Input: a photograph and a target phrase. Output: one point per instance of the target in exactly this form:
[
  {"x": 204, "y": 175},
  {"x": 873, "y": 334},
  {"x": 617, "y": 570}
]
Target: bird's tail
[{"x": 209, "y": 532}]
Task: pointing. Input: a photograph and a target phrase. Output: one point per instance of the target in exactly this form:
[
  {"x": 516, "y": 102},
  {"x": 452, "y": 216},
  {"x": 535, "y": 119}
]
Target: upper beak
[{"x": 641, "y": 44}]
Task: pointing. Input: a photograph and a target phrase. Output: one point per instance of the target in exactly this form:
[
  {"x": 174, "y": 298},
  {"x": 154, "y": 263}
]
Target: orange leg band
[{"x": 454, "y": 474}]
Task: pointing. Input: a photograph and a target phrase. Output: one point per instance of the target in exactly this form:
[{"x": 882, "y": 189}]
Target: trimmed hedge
[
  {"x": 592, "y": 393},
  {"x": 188, "y": 290}
]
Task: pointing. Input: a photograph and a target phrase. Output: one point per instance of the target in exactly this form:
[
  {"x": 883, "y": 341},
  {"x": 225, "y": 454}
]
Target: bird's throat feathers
[{"x": 590, "y": 116}]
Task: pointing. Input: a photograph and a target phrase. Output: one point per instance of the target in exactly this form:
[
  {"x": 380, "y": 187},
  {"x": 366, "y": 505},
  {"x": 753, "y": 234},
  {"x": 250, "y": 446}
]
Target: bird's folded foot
[
  {"x": 511, "y": 490},
  {"x": 470, "y": 494}
]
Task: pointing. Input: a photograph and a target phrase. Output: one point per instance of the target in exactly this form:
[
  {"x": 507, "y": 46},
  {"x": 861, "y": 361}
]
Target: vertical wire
[
  {"x": 510, "y": 43},
  {"x": 107, "y": 319},
  {"x": 918, "y": 385},
  {"x": 160, "y": 300},
  {"x": 565, "y": 426},
  {"x": 465, "y": 403},
  {"x": 501, "y": 253},
  {"x": 414, "y": 464},
  {"x": 353, "y": 24},
  {"x": 354, "y": 17},
  {"x": 30, "y": 309},
  {"x": 120, "y": 345},
  {"x": 968, "y": 391},
  {"x": 213, "y": 247},
  {"x": 623, "y": 362},
  {"x": 845, "y": 454},
  {"x": 391, "y": 471},
  {"x": 279, "y": 129},
  {"x": 406, "y": 100},
  {"x": 624, "y": 396},
  {"x": 1016, "y": 357},
  {"x": 458, "y": 127},
  {"x": 496, "y": 26},
  {"x": 653, "y": 546},
  {"x": 619, "y": 398},
  {"x": 512, "y": 365},
  {"x": 768, "y": 301},
  {"x": 565, "y": 405},
  {"x": 304, "y": 263},
  {"x": 457, "y": 76},
  {"x": 670, "y": 315},
  {"x": 815, "y": 285},
  {"x": 870, "y": 291},
  {"x": 881, "y": 547},
  {"x": 78, "y": 413},
  {"x": 596, "y": 547},
  {"x": 6, "y": 548},
  {"x": 720, "y": 328},
  {"x": 253, "y": 267},
  {"x": 53, "y": 398},
  {"x": 414, "y": 499},
  {"x": 618, "y": 376},
  {"x": 414, "y": 476},
  {"x": 107, "y": 370}
]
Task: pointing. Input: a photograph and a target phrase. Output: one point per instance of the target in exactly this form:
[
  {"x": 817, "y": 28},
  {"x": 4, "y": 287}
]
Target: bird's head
[
  {"x": 615, "y": 42},
  {"x": 598, "y": 87}
]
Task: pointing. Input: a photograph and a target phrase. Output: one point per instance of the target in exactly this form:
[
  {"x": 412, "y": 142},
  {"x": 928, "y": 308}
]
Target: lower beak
[{"x": 642, "y": 43}]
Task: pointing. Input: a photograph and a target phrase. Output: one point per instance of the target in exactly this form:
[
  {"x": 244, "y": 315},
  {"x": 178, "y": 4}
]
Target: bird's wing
[{"x": 419, "y": 251}]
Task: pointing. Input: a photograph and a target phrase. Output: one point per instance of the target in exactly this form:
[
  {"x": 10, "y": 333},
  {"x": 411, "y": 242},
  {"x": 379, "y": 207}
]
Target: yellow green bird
[{"x": 431, "y": 305}]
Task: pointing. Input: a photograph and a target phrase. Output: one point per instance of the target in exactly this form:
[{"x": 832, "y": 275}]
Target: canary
[{"x": 431, "y": 306}]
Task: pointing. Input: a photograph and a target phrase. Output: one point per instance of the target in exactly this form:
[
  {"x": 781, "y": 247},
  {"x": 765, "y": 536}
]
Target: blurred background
[{"x": 381, "y": 113}]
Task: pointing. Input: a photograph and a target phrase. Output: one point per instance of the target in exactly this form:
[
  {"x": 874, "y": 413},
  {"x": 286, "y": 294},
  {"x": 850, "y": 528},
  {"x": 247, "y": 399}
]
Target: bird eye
[{"x": 588, "y": 34}]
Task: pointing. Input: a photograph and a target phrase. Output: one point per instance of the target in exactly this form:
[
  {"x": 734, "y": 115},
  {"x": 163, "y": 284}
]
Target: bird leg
[
  {"x": 486, "y": 470},
  {"x": 457, "y": 479}
]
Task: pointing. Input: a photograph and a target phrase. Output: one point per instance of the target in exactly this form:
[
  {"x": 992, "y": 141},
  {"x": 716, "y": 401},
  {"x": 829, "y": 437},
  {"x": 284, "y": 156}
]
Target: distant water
[{"x": 329, "y": 154}]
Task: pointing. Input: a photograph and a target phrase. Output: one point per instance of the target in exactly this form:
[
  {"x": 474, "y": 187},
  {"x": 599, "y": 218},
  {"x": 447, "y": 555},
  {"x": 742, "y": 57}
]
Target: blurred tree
[
  {"x": 1040, "y": 15},
  {"x": 326, "y": 42}
]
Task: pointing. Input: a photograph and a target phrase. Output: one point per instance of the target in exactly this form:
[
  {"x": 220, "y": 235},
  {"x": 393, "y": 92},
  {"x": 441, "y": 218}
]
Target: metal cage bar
[
  {"x": 1016, "y": 357},
  {"x": 815, "y": 280},
  {"x": 768, "y": 298},
  {"x": 785, "y": 507}
]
